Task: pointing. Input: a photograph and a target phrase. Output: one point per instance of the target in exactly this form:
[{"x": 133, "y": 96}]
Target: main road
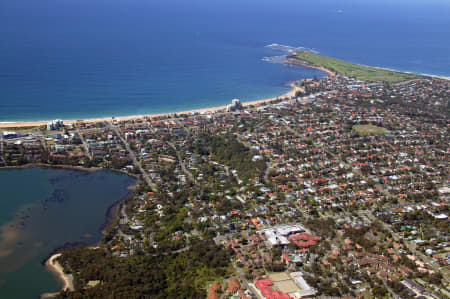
[
  {"x": 243, "y": 278},
  {"x": 85, "y": 146},
  {"x": 136, "y": 162},
  {"x": 183, "y": 166}
]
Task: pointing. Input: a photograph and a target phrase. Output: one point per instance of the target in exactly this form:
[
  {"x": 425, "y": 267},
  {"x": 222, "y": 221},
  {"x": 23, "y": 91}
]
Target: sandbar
[{"x": 67, "y": 279}]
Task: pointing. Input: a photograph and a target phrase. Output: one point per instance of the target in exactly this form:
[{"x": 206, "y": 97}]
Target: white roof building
[{"x": 277, "y": 235}]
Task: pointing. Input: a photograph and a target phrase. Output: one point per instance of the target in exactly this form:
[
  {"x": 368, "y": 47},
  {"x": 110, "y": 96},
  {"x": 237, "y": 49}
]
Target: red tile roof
[{"x": 264, "y": 287}]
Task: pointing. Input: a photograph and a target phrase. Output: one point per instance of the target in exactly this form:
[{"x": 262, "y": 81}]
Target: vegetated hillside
[
  {"x": 229, "y": 151},
  {"x": 181, "y": 275}
]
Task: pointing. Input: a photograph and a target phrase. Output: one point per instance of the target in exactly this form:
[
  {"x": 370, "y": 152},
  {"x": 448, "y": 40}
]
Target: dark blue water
[{"x": 93, "y": 58}]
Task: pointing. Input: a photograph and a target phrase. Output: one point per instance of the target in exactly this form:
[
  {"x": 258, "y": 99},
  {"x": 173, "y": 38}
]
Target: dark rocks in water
[
  {"x": 54, "y": 215},
  {"x": 58, "y": 196},
  {"x": 63, "y": 176}
]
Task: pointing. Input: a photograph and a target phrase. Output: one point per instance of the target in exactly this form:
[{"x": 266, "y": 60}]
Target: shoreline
[
  {"x": 292, "y": 92},
  {"x": 43, "y": 165},
  {"x": 111, "y": 216},
  {"x": 37, "y": 123},
  {"x": 303, "y": 63},
  {"x": 55, "y": 267},
  {"x": 70, "y": 167}
]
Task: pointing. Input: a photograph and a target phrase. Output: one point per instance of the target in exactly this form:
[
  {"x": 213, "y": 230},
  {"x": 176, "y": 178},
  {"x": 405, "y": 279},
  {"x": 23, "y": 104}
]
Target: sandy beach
[
  {"x": 22, "y": 124},
  {"x": 55, "y": 267}
]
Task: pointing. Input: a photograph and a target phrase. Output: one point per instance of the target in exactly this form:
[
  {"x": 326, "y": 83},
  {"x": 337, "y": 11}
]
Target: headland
[
  {"x": 330, "y": 65},
  {"x": 151, "y": 147}
]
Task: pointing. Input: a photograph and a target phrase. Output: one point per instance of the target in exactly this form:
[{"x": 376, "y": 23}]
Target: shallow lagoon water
[{"x": 43, "y": 209}]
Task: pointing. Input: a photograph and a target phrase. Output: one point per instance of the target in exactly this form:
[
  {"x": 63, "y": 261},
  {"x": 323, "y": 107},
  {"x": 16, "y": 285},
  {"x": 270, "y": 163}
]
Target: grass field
[
  {"x": 279, "y": 276},
  {"x": 366, "y": 130},
  {"x": 349, "y": 69},
  {"x": 283, "y": 282}
]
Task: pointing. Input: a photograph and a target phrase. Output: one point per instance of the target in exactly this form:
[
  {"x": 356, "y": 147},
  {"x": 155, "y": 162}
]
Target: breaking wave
[
  {"x": 286, "y": 49},
  {"x": 274, "y": 59}
]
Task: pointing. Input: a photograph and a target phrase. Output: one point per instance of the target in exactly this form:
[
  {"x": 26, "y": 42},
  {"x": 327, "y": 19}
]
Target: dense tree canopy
[
  {"x": 229, "y": 151},
  {"x": 182, "y": 275}
]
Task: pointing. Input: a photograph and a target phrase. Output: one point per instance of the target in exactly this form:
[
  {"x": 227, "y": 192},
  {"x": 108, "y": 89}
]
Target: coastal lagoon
[
  {"x": 42, "y": 209},
  {"x": 100, "y": 58}
]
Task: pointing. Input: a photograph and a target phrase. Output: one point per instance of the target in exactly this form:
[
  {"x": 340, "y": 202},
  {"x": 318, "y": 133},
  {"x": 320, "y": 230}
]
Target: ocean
[
  {"x": 43, "y": 209},
  {"x": 77, "y": 59}
]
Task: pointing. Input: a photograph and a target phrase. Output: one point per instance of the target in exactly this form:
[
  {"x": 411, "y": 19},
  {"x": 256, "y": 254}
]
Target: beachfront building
[
  {"x": 9, "y": 135},
  {"x": 235, "y": 105},
  {"x": 54, "y": 124}
]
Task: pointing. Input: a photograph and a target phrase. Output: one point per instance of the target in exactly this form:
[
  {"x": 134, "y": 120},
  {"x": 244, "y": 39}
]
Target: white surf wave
[{"x": 288, "y": 48}]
